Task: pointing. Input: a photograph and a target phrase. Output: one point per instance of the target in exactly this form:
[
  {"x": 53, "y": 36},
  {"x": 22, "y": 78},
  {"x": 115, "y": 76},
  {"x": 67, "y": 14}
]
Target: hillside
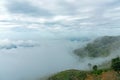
[
  {"x": 109, "y": 75},
  {"x": 69, "y": 75},
  {"x": 82, "y": 75},
  {"x": 101, "y": 47}
]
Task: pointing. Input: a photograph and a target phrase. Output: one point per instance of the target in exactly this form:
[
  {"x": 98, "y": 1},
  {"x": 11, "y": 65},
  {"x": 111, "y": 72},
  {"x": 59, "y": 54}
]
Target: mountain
[{"x": 100, "y": 47}]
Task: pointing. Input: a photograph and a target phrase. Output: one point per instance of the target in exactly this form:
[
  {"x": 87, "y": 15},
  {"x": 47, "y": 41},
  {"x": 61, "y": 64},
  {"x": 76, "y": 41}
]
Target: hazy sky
[{"x": 53, "y": 18}]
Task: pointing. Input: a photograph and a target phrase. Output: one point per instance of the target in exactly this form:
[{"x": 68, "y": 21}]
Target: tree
[
  {"x": 95, "y": 67},
  {"x": 116, "y": 64}
]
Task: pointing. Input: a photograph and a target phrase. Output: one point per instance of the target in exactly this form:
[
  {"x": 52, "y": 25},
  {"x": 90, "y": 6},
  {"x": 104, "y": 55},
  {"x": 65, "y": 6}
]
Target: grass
[{"x": 69, "y": 75}]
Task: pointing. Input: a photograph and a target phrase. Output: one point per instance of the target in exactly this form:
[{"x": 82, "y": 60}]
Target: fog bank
[
  {"x": 49, "y": 56},
  {"x": 31, "y": 63}
]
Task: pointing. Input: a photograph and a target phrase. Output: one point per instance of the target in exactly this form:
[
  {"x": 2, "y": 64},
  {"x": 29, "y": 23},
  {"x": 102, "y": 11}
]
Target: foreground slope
[
  {"x": 82, "y": 75},
  {"x": 69, "y": 75}
]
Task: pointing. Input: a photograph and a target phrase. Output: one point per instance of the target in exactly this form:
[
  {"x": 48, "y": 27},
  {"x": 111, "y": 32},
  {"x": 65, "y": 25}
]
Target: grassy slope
[
  {"x": 70, "y": 75},
  {"x": 82, "y": 75}
]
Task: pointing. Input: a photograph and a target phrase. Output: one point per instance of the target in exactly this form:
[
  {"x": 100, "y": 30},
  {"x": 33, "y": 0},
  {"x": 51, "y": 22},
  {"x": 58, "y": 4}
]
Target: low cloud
[
  {"x": 50, "y": 57},
  {"x": 13, "y": 44},
  {"x": 36, "y": 62}
]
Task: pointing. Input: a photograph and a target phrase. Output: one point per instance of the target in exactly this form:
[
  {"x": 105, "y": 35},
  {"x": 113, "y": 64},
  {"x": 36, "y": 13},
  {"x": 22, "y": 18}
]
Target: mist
[
  {"x": 31, "y": 63},
  {"x": 34, "y": 60}
]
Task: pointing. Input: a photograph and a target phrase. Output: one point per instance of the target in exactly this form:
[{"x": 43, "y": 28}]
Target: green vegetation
[
  {"x": 82, "y": 75},
  {"x": 97, "y": 71},
  {"x": 95, "y": 68},
  {"x": 100, "y": 47},
  {"x": 94, "y": 50},
  {"x": 116, "y": 64},
  {"x": 69, "y": 75}
]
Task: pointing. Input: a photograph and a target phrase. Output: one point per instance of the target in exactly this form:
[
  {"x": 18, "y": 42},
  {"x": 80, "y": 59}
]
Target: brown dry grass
[{"x": 110, "y": 75}]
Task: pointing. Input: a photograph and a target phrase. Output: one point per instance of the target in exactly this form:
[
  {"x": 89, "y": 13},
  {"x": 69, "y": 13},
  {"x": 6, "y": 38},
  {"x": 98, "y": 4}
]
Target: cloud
[
  {"x": 51, "y": 56},
  {"x": 79, "y": 17},
  {"x": 11, "y": 44},
  {"x": 26, "y": 8}
]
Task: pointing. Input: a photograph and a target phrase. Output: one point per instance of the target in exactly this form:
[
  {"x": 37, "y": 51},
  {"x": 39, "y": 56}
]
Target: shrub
[
  {"x": 95, "y": 67},
  {"x": 116, "y": 64}
]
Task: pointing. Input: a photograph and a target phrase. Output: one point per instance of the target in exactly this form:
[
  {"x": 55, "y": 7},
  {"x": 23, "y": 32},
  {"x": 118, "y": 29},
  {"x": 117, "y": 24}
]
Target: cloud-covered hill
[{"x": 101, "y": 47}]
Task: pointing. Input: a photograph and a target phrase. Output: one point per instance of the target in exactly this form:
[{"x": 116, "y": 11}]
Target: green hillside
[
  {"x": 101, "y": 47},
  {"x": 111, "y": 73},
  {"x": 69, "y": 75}
]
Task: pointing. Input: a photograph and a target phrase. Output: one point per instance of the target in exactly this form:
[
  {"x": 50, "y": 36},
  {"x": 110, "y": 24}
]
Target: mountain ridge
[{"x": 100, "y": 47}]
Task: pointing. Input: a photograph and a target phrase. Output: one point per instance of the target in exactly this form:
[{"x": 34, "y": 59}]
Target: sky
[{"x": 58, "y": 18}]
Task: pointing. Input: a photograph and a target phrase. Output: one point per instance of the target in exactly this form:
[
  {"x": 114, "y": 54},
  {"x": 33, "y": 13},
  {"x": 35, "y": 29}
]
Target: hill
[
  {"x": 69, "y": 75},
  {"x": 82, "y": 75},
  {"x": 101, "y": 47}
]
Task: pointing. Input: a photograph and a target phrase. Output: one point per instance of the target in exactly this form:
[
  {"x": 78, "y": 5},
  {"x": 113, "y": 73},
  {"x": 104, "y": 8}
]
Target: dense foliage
[
  {"x": 116, "y": 64},
  {"x": 69, "y": 75}
]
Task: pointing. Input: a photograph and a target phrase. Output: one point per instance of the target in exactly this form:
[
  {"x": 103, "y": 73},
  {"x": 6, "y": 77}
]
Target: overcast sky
[{"x": 51, "y": 18}]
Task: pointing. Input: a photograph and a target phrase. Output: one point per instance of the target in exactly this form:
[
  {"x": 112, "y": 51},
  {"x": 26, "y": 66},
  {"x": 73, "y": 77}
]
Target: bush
[
  {"x": 116, "y": 64},
  {"x": 95, "y": 67}
]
